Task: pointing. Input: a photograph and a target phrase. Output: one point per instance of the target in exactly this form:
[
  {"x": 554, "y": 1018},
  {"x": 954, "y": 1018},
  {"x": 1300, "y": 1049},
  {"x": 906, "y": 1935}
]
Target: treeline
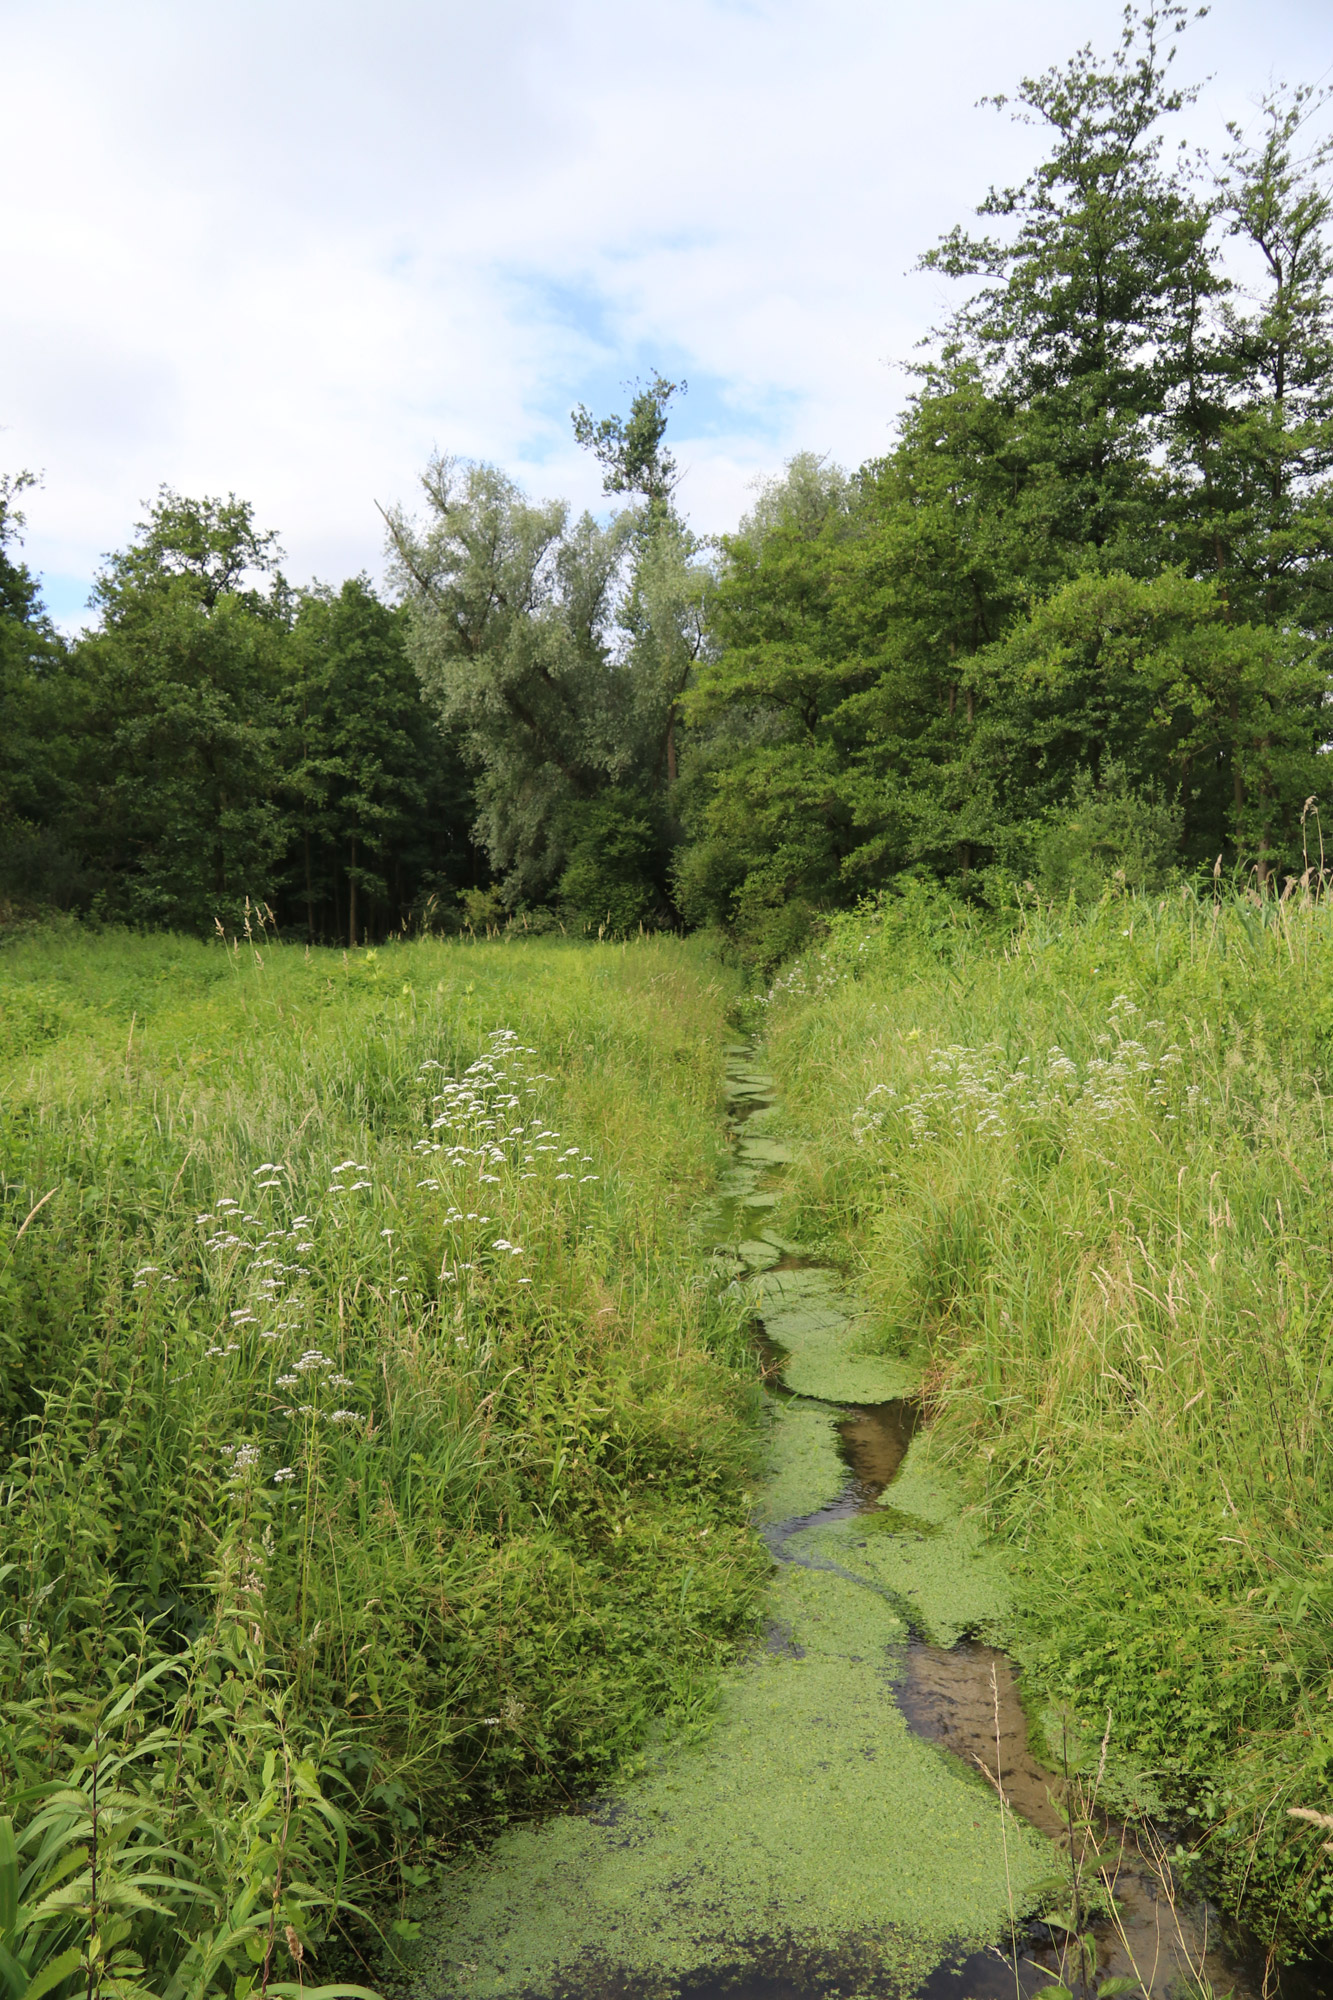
[
  {"x": 1075, "y": 622},
  {"x": 220, "y": 738}
]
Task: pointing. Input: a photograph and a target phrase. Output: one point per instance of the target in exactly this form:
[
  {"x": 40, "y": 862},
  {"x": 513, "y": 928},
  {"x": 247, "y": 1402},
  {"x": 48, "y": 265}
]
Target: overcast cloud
[{"x": 288, "y": 249}]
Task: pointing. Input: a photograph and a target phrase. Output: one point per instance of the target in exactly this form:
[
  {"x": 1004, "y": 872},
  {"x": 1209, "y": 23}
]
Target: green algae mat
[{"x": 811, "y": 1833}]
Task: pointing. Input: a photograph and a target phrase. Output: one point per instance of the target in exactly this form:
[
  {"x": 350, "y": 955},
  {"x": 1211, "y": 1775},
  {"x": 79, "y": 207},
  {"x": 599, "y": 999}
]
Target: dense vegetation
[
  {"x": 373, "y": 1457},
  {"x": 1083, "y": 1164},
  {"x": 1075, "y": 621},
  {"x": 221, "y": 744},
  {"x": 372, "y": 1469}
]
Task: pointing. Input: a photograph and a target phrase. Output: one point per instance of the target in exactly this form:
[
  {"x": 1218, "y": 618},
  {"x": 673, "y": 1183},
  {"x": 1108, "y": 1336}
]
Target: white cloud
[{"x": 286, "y": 249}]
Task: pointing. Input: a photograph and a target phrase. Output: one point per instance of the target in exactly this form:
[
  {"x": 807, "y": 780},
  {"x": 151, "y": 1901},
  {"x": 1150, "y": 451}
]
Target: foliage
[
  {"x": 1080, "y": 1159},
  {"x": 222, "y": 743},
  {"x": 629, "y": 449},
  {"x": 381, "y": 797},
  {"x": 1106, "y": 829},
  {"x": 1100, "y": 543},
  {"x": 558, "y": 651},
  {"x": 41, "y": 718},
  {"x": 1093, "y": 566},
  {"x": 613, "y": 847},
  {"x": 374, "y": 1464},
  {"x": 183, "y": 683}
]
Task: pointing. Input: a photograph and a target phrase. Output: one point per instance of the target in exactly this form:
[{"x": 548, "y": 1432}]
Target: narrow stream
[
  {"x": 965, "y": 1697},
  {"x": 835, "y": 1834}
]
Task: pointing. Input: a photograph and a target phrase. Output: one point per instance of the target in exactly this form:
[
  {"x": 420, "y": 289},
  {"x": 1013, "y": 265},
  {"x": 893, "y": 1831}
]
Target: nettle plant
[{"x": 290, "y": 1387}]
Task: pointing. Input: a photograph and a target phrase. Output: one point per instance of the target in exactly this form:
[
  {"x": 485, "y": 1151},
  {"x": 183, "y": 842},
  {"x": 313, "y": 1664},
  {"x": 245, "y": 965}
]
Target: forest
[{"x": 1073, "y": 623}]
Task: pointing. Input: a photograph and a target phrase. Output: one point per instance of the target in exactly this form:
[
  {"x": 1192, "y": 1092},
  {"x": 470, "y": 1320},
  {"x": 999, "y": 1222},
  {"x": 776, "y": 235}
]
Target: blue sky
[{"x": 287, "y": 248}]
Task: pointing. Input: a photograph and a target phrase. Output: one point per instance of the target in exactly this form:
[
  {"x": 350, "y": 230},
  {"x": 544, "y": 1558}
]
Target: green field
[
  {"x": 374, "y": 1450},
  {"x": 380, "y": 1453}
]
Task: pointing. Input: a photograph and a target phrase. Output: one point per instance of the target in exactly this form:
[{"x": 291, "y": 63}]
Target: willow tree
[{"x": 515, "y": 627}]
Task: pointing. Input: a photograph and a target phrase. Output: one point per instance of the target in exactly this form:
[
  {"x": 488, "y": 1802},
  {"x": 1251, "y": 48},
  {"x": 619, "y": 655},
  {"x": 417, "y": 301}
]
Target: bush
[
  {"x": 610, "y": 882},
  {"x": 1106, "y": 831}
]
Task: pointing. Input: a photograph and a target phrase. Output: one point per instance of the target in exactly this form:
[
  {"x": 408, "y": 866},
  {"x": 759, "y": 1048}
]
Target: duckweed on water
[
  {"x": 811, "y": 1815},
  {"x": 805, "y": 1468},
  {"x": 817, "y": 1324},
  {"x": 810, "y": 1833},
  {"x": 930, "y": 1558}
]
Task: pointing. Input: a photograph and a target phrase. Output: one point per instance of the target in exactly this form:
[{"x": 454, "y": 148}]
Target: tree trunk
[{"x": 351, "y": 898}]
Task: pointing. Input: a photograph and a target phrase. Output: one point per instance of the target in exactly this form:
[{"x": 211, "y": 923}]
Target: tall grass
[
  {"x": 1082, "y": 1160},
  {"x": 372, "y": 1453}
]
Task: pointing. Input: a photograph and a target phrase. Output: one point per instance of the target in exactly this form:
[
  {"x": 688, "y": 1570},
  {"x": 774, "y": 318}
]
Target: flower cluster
[
  {"x": 486, "y": 1138},
  {"x": 977, "y": 1093},
  {"x": 476, "y": 1137},
  {"x": 805, "y": 982}
]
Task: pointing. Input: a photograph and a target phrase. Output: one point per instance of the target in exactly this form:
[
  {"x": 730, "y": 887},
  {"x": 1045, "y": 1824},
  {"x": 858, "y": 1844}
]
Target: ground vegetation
[
  {"x": 374, "y": 1457},
  {"x": 1079, "y": 1163}
]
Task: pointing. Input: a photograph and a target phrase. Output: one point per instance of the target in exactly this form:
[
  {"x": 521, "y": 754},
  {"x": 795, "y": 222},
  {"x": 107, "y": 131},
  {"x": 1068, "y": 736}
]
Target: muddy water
[{"x": 832, "y": 1837}]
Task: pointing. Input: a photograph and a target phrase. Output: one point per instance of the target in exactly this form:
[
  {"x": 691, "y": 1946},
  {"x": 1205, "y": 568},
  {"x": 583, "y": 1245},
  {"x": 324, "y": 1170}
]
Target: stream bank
[{"x": 832, "y": 1835}]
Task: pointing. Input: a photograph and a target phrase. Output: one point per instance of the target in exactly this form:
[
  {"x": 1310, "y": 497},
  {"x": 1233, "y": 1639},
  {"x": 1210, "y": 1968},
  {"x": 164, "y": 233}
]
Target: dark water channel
[{"x": 961, "y": 1698}]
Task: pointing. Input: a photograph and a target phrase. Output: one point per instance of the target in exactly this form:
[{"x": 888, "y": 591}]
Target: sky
[{"x": 290, "y": 250}]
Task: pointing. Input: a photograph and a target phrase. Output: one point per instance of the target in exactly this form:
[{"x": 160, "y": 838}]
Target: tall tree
[
  {"x": 1087, "y": 298},
  {"x": 631, "y": 450},
  {"x": 183, "y": 773},
  {"x": 1253, "y": 439},
  {"x": 511, "y": 610},
  {"x": 41, "y": 722},
  {"x": 381, "y": 799},
  {"x": 1001, "y": 618},
  {"x": 558, "y": 648}
]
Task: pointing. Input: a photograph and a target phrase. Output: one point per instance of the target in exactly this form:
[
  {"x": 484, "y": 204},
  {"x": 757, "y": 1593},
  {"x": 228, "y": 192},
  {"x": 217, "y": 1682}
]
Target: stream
[{"x": 838, "y": 1832}]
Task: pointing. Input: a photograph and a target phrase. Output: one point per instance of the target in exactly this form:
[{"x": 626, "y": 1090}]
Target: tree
[
  {"x": 182, "y": 773},
  {"x": 208, "y": 546},
  {"x": 1084, "y": 314},
  {"x": 41, "y": 721},
  {"x": 1253, "y": 440},
  {"x": 1157, "y": 680},
  {"x": 763, "y": 778},
  {"x": 558, "y": 649},
  {"x": 381, "y": 799},
  {"x": 629, "y": 449},
  {"x": 511, "y": 629},
  {"x": 1091, "y": 574}
]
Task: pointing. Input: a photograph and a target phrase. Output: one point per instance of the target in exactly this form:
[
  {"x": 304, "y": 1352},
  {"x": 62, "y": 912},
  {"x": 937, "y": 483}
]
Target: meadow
[
  {"x": 377, "y": 1449},
  {"x": 1079, "y": 1163},
  {"x": 373, "y": 1446}
]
